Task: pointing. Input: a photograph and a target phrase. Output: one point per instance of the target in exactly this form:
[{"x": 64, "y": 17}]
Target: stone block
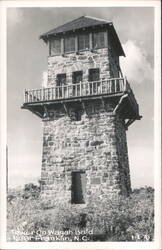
[{"x": 95, "y": 181}]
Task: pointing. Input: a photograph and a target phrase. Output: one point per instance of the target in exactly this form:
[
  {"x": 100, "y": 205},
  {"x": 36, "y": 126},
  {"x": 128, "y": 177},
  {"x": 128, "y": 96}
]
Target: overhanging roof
[{"x": 84, "y": 22}]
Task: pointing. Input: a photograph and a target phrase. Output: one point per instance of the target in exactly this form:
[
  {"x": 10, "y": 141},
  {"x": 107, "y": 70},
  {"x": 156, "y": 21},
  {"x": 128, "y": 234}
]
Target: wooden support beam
[
  {"x": 103, "y": 102},
  {"x": 133, "y": 103},
  {"x": 65, "y": 108},
  {"x": 46, "y": 114},
  {"x": 83, "y": 106},
  {"x": 129, "y": 122},
  {"x": 119, "y": 103}
]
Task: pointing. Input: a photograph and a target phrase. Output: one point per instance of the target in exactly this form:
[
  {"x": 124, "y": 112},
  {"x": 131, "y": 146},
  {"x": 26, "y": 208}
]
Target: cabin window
[
  {"x": 55, "y": 47},
  {"x": 83, "y": 42},
  {"x": 94, "y": 75},
  {"x": 98, "y": 40},
  {"x": 78, "y": 187},
  {"x": 69, "y": 44}
]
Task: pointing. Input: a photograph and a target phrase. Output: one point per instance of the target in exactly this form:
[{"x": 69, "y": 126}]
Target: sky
[{"x": 27, "y": 60}]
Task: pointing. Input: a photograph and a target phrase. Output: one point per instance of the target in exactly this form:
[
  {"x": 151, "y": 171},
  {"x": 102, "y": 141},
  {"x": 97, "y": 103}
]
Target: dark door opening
[
  {"x": 78, "y": 187},
  {"x": 77, "y": 77},
  {"x": 60, "y": 82},
  {"x": 94, "y": 76}
]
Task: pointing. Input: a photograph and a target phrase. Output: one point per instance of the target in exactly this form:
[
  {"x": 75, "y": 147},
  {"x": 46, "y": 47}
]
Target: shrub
[
  {"x": 119, "y": 219},
  {"x": 124, "y": 218},
  {"x": 31, "y": 190}
]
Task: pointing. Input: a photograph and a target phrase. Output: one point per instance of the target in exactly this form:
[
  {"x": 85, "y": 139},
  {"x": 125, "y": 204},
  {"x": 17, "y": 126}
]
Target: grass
[{"x": 121, "y": 219}]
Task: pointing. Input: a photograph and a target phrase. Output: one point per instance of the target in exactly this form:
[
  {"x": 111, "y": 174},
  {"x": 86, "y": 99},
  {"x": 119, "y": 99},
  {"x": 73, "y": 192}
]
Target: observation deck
[{"x": 39, "y": 100}]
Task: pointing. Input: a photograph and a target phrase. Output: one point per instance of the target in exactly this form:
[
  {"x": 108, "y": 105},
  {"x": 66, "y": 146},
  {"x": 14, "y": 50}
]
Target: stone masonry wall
[
  {"x": 71, "y": 62},
  {"x": 95, "y": 144}
]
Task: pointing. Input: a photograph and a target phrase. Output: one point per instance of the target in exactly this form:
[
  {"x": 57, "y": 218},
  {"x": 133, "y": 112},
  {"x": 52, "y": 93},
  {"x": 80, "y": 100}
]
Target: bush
[
  {"x": 124, "y": 218},
  {"x": 119, "y": 219}
]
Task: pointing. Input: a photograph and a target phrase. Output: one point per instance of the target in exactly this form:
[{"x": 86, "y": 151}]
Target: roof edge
[{"x": 46, "y": 34}]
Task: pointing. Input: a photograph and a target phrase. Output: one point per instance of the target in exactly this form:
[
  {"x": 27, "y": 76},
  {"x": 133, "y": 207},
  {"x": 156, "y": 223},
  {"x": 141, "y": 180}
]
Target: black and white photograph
[{"x": 81, "y": 151}]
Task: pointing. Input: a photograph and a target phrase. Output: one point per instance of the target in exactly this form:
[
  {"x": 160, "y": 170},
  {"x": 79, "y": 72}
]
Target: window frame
[
  {"x": 84, "y": 35},
  {"x": 93, "y": 39},
  {"x": 73, "y": 46},
  {"x": 61, "y": 84},
  {"x": 68, "y": 37},
  {"x": 93, "y": 69},
  {"x": 74, "y": 73},
  {"x": 52, "y": 42}
]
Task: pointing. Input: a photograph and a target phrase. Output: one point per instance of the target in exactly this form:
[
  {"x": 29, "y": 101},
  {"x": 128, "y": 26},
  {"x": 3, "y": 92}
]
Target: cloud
[
  {"x": 44, "y": 79},
  {"x": 135, "y": 65},
  {"x": 14, "y": 16}
]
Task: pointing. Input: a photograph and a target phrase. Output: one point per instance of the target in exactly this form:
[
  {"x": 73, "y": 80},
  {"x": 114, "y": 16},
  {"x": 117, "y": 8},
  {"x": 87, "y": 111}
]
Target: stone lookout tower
[{"x": 86, "y": 109}]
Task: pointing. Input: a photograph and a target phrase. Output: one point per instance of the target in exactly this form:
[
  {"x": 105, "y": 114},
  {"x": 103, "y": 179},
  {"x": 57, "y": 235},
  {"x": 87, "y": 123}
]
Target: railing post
[
  {"x": 55, "y": 92},
  {"x": 89, "y": 91},
  {"x": 115, "y": 88},
  {"x": 120, "y": 84},
  {"x": 24, "y": 95},
  {"x": 80, "y": 88},
  {"x": 101, "y": 86},
  {"x": 29, "y": 98},
  {"x": 32, "y": 95},
  {"x": 92, "y": 87},
  {"x": 48, "y": 95},
  {"x": 76, "y": 90},
  {"x": 51, "y": 93},
  {"x": 110, "y": 86},
  {"x": 125, "y": 83},
  {"x": 41, "y": 94}
]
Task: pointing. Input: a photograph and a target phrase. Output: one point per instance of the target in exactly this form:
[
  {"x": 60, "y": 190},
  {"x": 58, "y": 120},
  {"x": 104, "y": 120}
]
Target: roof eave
[
  {"x": 46, "y": 36},
  {"x": 120, "y": 48}
]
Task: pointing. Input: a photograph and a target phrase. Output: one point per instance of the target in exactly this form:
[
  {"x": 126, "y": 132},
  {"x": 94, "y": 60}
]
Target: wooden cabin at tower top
[
  {"x": 81, "y": 34},
  {"x": 86, "y": 49}
]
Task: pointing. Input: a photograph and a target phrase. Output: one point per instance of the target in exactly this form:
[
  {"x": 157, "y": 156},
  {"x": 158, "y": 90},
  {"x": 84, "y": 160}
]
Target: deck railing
[
  {"x": 109, "y": 86},
  {"x": 82, "y": 89}
]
